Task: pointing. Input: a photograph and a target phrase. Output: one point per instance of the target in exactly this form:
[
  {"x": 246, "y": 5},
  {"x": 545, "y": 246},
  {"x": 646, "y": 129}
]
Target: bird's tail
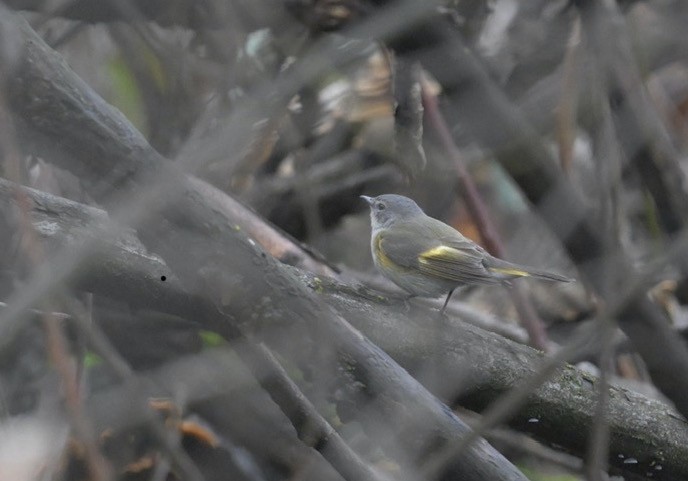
[{"x": 507, "y": 270}]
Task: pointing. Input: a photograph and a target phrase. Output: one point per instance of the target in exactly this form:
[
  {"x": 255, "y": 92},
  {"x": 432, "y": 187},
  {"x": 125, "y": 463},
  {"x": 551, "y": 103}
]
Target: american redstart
[{"x": 428, "y": 258}]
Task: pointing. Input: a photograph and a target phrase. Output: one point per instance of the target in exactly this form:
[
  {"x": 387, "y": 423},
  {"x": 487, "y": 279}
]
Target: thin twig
[
  {"x": 598, "y": 448},
  {"x": 529, "y": 318},
  {"x": 566, "y": 111}
]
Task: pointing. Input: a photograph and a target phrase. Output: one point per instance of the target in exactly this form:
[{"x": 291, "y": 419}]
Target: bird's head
[{"x": 387, "y": 209}]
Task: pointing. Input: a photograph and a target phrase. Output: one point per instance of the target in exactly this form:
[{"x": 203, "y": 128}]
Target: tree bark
[
  {"x": 479, "y": 365},
  {"x": 212, "y": 259}
]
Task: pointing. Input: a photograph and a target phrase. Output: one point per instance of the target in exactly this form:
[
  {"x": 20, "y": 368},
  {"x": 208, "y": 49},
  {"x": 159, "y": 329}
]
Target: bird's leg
[{"x": 446, "y": 301}]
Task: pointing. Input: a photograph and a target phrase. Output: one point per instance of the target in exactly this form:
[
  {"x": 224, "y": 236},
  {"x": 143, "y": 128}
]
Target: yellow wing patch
[
  {"x": 438, "y": 252},
  {"x": 462, "y": 266},
  {"x": 510, "y": 272}
]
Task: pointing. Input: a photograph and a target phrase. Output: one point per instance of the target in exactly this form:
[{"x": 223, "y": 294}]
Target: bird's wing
[
  {"x": 436, "y": 250},
  {"x": 455, "y": 257}
]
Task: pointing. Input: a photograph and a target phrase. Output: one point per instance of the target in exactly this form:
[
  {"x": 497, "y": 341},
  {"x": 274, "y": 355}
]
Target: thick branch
[
  {"x": 485, "y": 364},
  {"x": 483, "y": 109},
  {"x": 61, "y": 224},
  {"x": 211, "y": 257}
]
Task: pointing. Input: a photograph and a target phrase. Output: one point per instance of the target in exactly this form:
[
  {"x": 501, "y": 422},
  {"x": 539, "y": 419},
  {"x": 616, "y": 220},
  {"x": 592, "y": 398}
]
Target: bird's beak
[{"x": 369, "y": 200}]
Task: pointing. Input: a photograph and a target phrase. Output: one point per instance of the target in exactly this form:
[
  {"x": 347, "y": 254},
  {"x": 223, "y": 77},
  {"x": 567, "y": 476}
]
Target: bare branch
[
  {"x": 484, "y": 110},
  {"x": 241, "y": 280},
  {"x": 483, "y": 366}
]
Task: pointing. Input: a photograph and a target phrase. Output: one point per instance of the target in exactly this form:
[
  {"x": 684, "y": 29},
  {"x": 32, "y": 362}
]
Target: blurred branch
[
  {"x": 598, "y": 450},
  {"x": 190, "y": 13},
  {"x": 487, "y": 366},
  {"x": 170, "y": 107},
  {"x": 121, "y": 269},
  {"x": 310, "y": 426},
  {"x": 280, "y": 245},
  {"x": 643, "y": 136},
  {"x": 479, "y": 106},
  {"x": 566, "y": 110},
  {"x": 212, "y": 258},
  {"x": 408, "y": 117},
  {"x": 657, "y": 39},
  {"x": 331, "y": 181},
  {"x": 484, "y": 365},
  {"x": 32, "y": 252},
  {"x": 488, "y": 233},
  {"x": 208, "y": 378},
  {"x": 218, "y": 386},
  {"x": 524, "y": 444},
  {"x": 141, "y": 267},
  {"x": 136, "y": 401}
]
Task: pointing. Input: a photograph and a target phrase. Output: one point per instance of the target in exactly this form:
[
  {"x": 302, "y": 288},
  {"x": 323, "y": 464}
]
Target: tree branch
[
  {"x": 483, "y": 109},
  {"x": 212, "y": 258},
  {"x": 484, "y": 364},
  {"x": 189, "y": 13}
]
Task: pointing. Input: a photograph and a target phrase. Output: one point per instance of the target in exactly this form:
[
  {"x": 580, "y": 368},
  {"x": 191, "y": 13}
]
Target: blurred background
[{"x": 553, "y": 133}]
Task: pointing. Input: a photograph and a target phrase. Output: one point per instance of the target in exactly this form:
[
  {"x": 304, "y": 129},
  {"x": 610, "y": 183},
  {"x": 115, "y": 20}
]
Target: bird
[{"x": 428, "y": 258}]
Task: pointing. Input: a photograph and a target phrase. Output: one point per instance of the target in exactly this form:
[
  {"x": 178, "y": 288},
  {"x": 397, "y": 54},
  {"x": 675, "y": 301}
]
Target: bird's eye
[{"x": 380, "y": 206}]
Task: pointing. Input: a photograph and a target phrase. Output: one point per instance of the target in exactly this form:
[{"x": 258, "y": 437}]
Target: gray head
[{"x": 387, "y": 209}]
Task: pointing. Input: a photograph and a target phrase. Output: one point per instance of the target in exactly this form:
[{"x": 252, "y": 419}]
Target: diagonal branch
[
  {"x": 113, "y": 161},
  {"x": 482, "y": 364},
  {"x": 484, "y": 110}
]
